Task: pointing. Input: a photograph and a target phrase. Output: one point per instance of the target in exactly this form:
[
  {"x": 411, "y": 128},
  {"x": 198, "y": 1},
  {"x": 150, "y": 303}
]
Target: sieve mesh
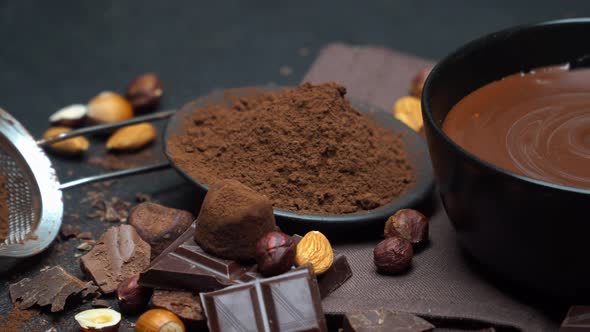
[{"x": 22, "y": 201}]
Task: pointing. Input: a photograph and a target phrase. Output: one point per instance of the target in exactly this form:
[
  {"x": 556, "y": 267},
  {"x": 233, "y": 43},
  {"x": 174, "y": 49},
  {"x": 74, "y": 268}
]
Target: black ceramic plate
[{"x": 301, "y": 223}]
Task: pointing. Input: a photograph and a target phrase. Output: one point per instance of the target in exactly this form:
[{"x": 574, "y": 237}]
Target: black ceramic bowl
[{"x": 531, "y": 232}]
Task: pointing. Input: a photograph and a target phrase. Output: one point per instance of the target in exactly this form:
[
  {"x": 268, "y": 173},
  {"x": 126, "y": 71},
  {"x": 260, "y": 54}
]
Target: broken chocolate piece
[
  {"x": 85, "y": 236},
  {"x": 385, "y": 321},
  {"x": 68, "y": 230},
  {"x": 185, "y": 266},
  {"x": 233, "y": 218},
  {"x": 159, "y": 225},
  {"x": 335, "y": 276},
  {"x": 287, "y": 302},
  {"x": 53, "y": 287},
  {"x": 577, "y": 319},
  {"x": 119, "y": 254},
  {"x": 185, "y": 305}
]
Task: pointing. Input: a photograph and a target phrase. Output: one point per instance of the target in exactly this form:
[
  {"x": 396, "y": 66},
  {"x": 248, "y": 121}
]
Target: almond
[
  {"x": 409, "y": 111},
  {"x": 109, "y": 107},
  {"x": 316, "y": 249},
  {"x": 132, "y": 137},
  {"x": 70, "y": 146}
]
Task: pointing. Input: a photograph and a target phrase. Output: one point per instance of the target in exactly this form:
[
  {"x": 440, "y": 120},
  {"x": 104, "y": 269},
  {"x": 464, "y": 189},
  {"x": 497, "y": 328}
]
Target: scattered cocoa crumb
[
  {"x": 119, "y": 161},
  {"x": 85, "y": 236},
  {"x": 113, "y": 210},
  {"x": 68, "y": 230},
  {"x": 70, "y": 172},
  {"x": 84, "y": 246},
  {"x": 100, "y": 303},
  {"x": 304, "y": 51},
  {"x": 71, "y": 216},
  {"x": 286, "y": 70},
  {"x": 140, "y": 198},
  {"x": 17, "y": 319}
]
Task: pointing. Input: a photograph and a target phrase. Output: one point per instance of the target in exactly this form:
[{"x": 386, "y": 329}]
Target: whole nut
[
  {"x": 409, "y": 111},
  {"x": 159, "y": 320},
  {"x": 409, "y": 224},
  {"x": 145, "y": 91},
  {"x": 109, "y": 107},
  {"x": 132, "y": 297},
  {"x": 315, "y": 248},
  {"x": 275, "y": 253},
  {"x": 417, "y": 84},
  {"x": 132, "y": 137},
  {"x": 393, "y": 255},
  {"x": 99, "y": 320},
  {"x": 71, "y": 146}
]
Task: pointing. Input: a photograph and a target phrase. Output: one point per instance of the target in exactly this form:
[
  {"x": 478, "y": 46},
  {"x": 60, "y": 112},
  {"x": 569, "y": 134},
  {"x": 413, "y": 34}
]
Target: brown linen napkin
[{"x": 442, "y": 284}]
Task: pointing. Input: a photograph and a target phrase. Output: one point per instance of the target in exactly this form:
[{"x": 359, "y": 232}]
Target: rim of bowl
[{"x": 468, "y": 48}]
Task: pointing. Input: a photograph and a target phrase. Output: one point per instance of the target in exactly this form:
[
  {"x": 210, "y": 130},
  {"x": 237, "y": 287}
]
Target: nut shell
[
  {"x": 72, "y": 146},
  {"x": 72, "y": 116},
  {"x": 145, "y": 91},
  {"x": 393, "y": 255},
  {"x": 99, "y": 320},
  {"x": 275, "y": 253},
  {"x": 409, "y": 111},
  {"x": 316, "y": 249},
  {"x": 132, "y": 137},
  {"x": 159, "y": 320},
  {"x": 109, "y": 107},
  {"x": 409, "y": 224}
]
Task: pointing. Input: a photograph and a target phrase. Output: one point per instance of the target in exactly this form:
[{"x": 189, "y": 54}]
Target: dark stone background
[{"x": 56, "y": 53}]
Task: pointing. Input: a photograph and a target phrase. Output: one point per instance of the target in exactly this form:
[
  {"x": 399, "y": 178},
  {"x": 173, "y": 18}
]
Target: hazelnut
[
  {"x": 99, "y": 320},
  {"x": 315, "y": 248},
  {"x": 409, "y": 111},
  {"x": 72, "y": 146},
  {"x": 109, "y": 107},
  {"x": 145, "y": 91},
  {"x": 409, "y": 224},
  {"x": 418, "y": 82},
  {"x": 159, "y": 320},
  {"x": 71, "y": 116},
  {"x": 393, "y": 255},
  {"x": 132, "y": 137},
  {"x": 275, "y": 253},
  {"x": 132, "y": 297}
]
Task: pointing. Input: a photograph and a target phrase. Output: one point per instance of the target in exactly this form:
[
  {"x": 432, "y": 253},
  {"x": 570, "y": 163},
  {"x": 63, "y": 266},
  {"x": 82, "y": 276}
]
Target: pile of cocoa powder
[
  {"x": 4, "y": 222},
  {"x": 306, "y": 148}
]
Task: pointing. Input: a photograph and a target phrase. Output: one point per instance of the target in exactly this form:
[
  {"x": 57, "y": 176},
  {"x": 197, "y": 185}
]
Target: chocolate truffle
[
  {"x": 119, "y": 254},
  {"x": 233, "y": 217},
  {"x": 159, "y": 225}
]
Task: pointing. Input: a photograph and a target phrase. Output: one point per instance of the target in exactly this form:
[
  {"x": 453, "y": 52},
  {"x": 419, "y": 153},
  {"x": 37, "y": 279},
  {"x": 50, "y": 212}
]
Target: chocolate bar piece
[
  {"x": 184, "y": 304},
  {"x": 53, "y": 287},
  {"x": 288, "y": 302},
  {"x": 382, "y": 320},
  {"x": 577, "y": 319},
  {"x": 336, "y": 275},
  {"x": 185, "y": 266}
]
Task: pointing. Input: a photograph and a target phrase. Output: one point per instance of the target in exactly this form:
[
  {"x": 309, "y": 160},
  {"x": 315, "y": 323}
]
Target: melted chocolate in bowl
[{"x": 535, "y": 124}]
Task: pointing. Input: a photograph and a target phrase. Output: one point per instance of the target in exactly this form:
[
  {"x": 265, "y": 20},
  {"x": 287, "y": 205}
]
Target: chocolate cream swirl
[{"x": 535, "y": 124}]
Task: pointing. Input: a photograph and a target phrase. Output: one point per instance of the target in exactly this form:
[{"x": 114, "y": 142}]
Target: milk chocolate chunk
[
  {"x": 119, "y": 254},
  {"x": 287, "y": 302},
  {"x": 336, "y": 275},
  {"x": 53, "y": 287},
  {"x": 577, "y": 319},
  {"x": 185, "y": 266},
  {"x": 184, "y": 304},
  {"x": 159, "y": 225},
  {"x": 383, "y": 320},
  {"x": 233, "y": 218}
]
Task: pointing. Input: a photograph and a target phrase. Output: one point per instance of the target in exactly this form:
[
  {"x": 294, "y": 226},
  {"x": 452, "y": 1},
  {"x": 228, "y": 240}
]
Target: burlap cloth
[{"x": 443, "y": 284}]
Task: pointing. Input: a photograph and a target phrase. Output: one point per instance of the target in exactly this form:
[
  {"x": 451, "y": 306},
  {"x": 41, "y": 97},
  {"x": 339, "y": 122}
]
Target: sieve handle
[
  {"x": 114, "y": 175},
  {"x": 105, "y": 127}
]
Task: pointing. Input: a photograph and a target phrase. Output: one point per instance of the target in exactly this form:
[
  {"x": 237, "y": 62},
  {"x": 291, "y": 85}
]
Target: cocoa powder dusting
[
  {"x": 306, "y": 148},
  {"x": 17, "y": 319},
  {"x": 4, "y": 222}
]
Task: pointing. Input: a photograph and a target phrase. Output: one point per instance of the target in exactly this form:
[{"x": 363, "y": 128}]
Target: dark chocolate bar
[
  {"x": 336, "y": 275},
  {"x": 382, "y": 320},
  {"x": 288, "y": 302},
  {"x": 577, "y": 319},
  {"x": 185, "y": 266}
]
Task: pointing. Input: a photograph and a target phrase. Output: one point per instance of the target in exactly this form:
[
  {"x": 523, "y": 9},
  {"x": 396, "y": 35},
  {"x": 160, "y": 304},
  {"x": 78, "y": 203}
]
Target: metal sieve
[{"x": 34, "y": 193}]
